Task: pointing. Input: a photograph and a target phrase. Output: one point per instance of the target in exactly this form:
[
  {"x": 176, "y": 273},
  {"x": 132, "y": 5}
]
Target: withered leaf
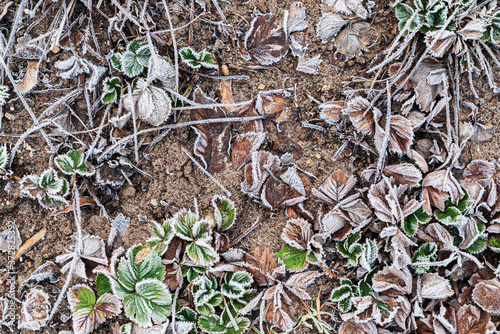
[
  {"x": 30, "y": 79},
  {"x": 273, "y": 102},
  {"x": 335, "y": 188},
  {"x": 212, "y": 144},
  {"x": 486, "y": 295},
  {"x": 470, "y": 320},
  {"x": 479, "y": 170},
  {"x": 295, "y": 19},
  {"x": 434, "y": 286},
  {"x": 250, "y": 136},
  {"x": 355, "y": 38},
  {"x": 330, "y": 112},
  {"x": 265, "y": 268},
  {"x": 277, "y": 195},
  {"x": 443, "y": 181},
  {"x": 393, "y": 282},
  {"x": 404, "y": 174},
  {"x": 257, "y": 172},
  {"x": 298, "y": 44},
  {"x": 362, "y": 115},
  {"x": 34, "y": 310},
  {"x": 425, "y": 91},
  {"x": 353, "y": 327},
  {"x": 266, "y": 39},
  {"x": 329, "y": 26},
  {"x": 439, "y": 41},
  {"x": 400, "y": 134}
]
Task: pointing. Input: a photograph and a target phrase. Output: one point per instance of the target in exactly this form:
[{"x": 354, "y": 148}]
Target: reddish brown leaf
[
  {"x": 264, "y": 264},
  {"x": 335, "y": 188},
  {"x": 266, "y": 39},
  {"x": 362, "y": 115},
  {"x": 212, "y": 144}
]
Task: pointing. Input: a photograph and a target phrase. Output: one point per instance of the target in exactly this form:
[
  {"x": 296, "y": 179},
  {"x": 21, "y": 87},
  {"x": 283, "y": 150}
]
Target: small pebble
[
  {"x": 11, "y": 108},
  {"x": 326, "y": 88},
  {"x": 154, "y": 202},
  {"x": 10, "y": 116},
  {"x": 56, "y": 49},
  {"x": 225, "y": 70},
  {"x": 261, "y": 87},
  {"x": 29, "y": 148}
]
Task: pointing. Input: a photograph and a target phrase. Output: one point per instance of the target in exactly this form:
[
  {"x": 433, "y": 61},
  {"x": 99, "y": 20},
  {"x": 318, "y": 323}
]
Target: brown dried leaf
[
  {"x": 425, "y": 91},
  {"x": 400, "y": 135},
  {"x": 486, "y": 295},
  {"x": 74, "y": 38},
  {"x": 297, "y": 233},
  {"x": 352, "y": 327},
  {"x": 387, "y": 200},
  {"x": 34, "y": 310},
  {"x": 398, "y": 246},
  {"x": 355, "y": 38},
  {"x": 266, "y": 39},
  {"x": 331, "y": 111},
  {"x": 471, "y": 320},
  {"x": 393, "y": 282},
  {"x": 277, "y": 195},
  {"x": 273, "y": 102},
  {"x": 212, "y": 144},
  {"x": 440, "y": 40},
  {"x": 404, "y": 174},
  {"x": 434, "y": 286},
  {"x": 226, "y": 93},
  {"x": 479, "y": 170},
  {"x": 362, "y": 115},
  {"x": 335, "y": 188},
  {"x": 30, "y": 79},
  {"x": 445, "y": 182},
  {"x": 298, "y": 283},
  {"x": 244, "y": 145},
  {"x": 264, "y": 265},
  {"x": 257, "y": 172}
]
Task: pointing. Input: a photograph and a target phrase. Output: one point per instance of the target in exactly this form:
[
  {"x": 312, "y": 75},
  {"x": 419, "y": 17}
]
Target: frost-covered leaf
[
  {"x": 263, "y": 265},
  {"x": 471, "y": 319},
  {"x": 412, "y": 221},
  {"x": 112, "y": 90},
  {"x": 368, "y": 255},
  {"x": 400, "y": 134},
  {"x": 298, "y": 283},
  {"x": 434, "y": 286},
  {"x": 266, "y": 39},
  {"x": 205, "y": 294},
  {"x": 162, "y": 236},
  {"x": 4, "y": 95},
  {"x": 224, "y": 211},
  {"x": 347, "y": 7},
  {"x": 212, "y": 144},
  {"x": 72, "y": 67},
  {"x": 426, "y": 90},
  {"x": 393, "y": 282},
  {"x": 425, "y": 254},
  {"x": 295, "y": 19},
  {"x": 160, "y": 68},
  {"x": 309, "y": 66},
  {"x": 73, "y": 163},
  {"x": 404, "y": 173},
  {"x": 355, "y": 38},
  {"x": 335, "y": 188},
  {"x": 34, "y": 310},
  {"x": 331, "y": 111},
  {"x": 150, "y": 103},
  {"x": 405, "y": 13},
  {"x": 89, "y": 313},
  {"x": 351, "y": 249},
  {"x": 362, "y": 114},
  {"x": 197, "y": 59},
  {"x": 329, "y": 26},
  {"x": 135, "y": 58},
  {"x": 486, "y": 294}
]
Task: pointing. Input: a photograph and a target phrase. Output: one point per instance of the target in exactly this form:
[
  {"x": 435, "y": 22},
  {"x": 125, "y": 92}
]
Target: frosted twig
[
  {"x": 99, "y": 131},
  {"x": 15, "y": 27},
  {"x": 25, "y": 104},
  {"x": 212, "y": 106},
  {"x": 228, "y": 193},
  {"x": 67, "y": 98},
  {"x": 385, "y": 142},
  {"x": 174, "y": 45},
  {"x": 179, "y": 125},
  {"x": 134, "y": 120}
]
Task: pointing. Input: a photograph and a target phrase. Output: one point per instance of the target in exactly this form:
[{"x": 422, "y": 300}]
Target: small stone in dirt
[
  {"x": 154, "y": 202},
  {"x": 128, "y": 192},
  {"x": 261, "y": 87},
  {"x": 56, "y": 49},
  {"x": 11, "y": 108},
  {"x": 10, "y": 116},
  {"x": 225, "y": 70},
  {"x": 350, "y": 63},
  {"x": 29, "y": 148},
  {"x": 326, "y": 88}
]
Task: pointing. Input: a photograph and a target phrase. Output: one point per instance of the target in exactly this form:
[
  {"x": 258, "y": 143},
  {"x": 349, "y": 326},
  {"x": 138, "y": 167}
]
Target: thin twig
[{"x": 228, "y": 193}]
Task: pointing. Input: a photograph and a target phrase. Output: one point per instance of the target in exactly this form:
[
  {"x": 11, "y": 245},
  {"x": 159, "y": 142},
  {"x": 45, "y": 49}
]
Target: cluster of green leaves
[
  {"x": 112, "y": 90},
  {"x": 431, "y": 15},
  {"x": 235, "y": 293},
  {"x": 364, "y": 255},
  {"x": 47, "y": 188},
  {"x": 492, "y": 32},
  {"x": 494, "y": 244},
  {"x": 412, "y": 221},
  {"x": 4, "y": 95},
  {"x": 455, "y": 215},
  {"x": 73, "y": 163},
  {"x": 197, "y": 59},
  {"x": 133, "y": 61},
  {"x": 425, "y": 254},
  {"x": 348, "y": 290},
  {"x": 146, "y": 299}
]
